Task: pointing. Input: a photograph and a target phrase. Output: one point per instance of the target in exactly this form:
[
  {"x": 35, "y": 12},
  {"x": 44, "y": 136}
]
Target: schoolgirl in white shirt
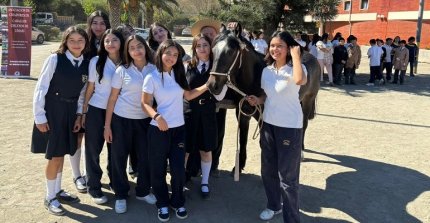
[
  {"x": 57, "y": 105},
  {"x": 101, "y": 71},
  {"x": 167, "y": 85},
  {"x": 281, "y": 137},
  {"x": 97, "y": 24},
  {"x": 126, "y": 124}
]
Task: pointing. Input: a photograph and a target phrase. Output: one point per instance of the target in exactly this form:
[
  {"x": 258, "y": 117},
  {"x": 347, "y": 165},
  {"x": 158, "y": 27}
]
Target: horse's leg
[
  {"x": 243, "y": 138},
  {"x": 308, "y": 108},
  {"x": 220, "y": 116}
]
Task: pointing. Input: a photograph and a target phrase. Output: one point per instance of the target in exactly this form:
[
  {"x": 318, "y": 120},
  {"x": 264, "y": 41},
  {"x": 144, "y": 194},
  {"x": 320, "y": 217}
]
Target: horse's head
[{"x": 227, "y": 51}]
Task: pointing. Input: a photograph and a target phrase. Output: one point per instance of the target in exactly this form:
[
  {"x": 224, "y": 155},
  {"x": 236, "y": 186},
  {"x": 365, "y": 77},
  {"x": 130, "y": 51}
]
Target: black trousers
[
  {"x": 337, "y": 71},
  {"x": 94, "y": 141},
  {"x": 126, "y": 134},
  {"x": 349, "y": 75},
  {"x": 280, "y": 169},
  {"x": 411, "y": 67},
  {"x": 165, "y": 145},
  {"x": 375, "y": 73},
  {"x": 402, "y": 76},
  {"x": 216, "y": 153},
  {"x": 388, "y": 66}
]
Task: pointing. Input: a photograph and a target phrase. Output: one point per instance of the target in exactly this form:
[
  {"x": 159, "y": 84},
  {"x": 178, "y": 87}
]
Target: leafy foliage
[{"x": 51, "y": 32}]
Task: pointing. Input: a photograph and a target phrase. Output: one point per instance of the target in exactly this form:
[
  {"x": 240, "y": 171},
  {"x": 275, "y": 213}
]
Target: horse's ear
[
  {"x": 223, "y": 28},
  {"x": 238, "y": 30}
]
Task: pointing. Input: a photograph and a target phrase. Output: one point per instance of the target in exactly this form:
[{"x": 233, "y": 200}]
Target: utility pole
[
  {"x": 419, "y": 26},
  {"x": 350, "y": 14}
]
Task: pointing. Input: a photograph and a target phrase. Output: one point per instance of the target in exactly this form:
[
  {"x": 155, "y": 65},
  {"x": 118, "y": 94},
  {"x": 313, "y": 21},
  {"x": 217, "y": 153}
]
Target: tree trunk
[
  {"x": 115, "y": 13},
  {"x": 133, "y": 7},
  {"x": 149, "y": 15}
]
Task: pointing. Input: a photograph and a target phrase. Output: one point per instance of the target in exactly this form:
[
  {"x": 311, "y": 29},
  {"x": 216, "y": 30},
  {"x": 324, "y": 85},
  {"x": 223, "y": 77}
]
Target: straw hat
[{"x": 196, "y": 28}]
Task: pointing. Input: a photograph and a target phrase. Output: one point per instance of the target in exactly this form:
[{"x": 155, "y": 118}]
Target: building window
[
  {"x": 364, "y": 4},
  {"x": 347, "y": 5}
]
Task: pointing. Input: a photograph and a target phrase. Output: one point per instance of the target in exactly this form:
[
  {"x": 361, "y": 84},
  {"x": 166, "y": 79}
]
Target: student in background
[
  {"x": 413, "y": 52},
  {"x": 388, "y": 65},
  {"x": 354, "y": 59},
  {"x": 374, "y": 54},
  {"x": 340, "y": 56},
  {"x": 400, "y": 62}
]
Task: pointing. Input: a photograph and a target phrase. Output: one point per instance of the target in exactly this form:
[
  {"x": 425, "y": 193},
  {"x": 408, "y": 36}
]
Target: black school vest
[
  {"x": 68, "y": 81},
  {"x": 196, "y": 79}
]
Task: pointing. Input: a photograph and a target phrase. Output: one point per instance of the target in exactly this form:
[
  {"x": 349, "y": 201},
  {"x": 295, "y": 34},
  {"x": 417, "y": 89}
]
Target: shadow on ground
[
  {"x": 372, "y": 192},
  {"x": 419, "y": 85}
]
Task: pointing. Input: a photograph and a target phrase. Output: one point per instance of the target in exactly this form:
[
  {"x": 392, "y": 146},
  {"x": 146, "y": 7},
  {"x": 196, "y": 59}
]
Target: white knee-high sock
[
  {"x": 206, "y": 169},
  {"x": 75, "y": 162},
  {"x": 50, "y": 189},
  {"x": 58, "y": 182}
]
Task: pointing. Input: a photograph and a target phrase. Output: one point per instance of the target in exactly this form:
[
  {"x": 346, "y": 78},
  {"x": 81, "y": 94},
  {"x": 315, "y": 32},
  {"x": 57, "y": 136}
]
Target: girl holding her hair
[{"x": 281, "y": 138}]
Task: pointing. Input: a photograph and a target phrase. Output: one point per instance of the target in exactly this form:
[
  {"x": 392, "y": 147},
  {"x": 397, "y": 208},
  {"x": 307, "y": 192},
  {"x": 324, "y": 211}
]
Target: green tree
[
  {"x": 152, "y": 5},
  {"x": 88, "y": 7},
  {"x": 30, "y": 3}
]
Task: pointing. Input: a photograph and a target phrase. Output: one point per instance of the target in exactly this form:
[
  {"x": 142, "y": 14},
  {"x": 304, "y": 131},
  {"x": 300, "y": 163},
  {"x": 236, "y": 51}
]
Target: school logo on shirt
[{"x": 84, "y": 78}]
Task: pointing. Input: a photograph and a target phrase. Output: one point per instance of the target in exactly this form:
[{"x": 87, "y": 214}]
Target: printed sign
[{"x": 16, "y": 41}]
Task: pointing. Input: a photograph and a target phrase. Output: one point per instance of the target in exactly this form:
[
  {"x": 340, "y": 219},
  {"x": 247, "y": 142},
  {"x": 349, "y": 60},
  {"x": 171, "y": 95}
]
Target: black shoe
[
  {"x": 54, "y": 207},
  {"x": 412, "y": 75},
  {"x": 181, "y": 213},
  {"x": 393, "y": 82},
  {"x": 163, "y": 214},
  {"x": 353, "y": 83},
  {"x": 66, "y": 198},
  {"x": 205, "y": 195}
]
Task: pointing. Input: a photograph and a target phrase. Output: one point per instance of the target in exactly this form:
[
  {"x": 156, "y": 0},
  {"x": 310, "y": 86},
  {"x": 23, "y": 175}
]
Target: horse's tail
[{"x": 313, "y": 111}]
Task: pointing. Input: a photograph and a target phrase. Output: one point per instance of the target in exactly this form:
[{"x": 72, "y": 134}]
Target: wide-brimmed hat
[{"x": 197, "y": 27}]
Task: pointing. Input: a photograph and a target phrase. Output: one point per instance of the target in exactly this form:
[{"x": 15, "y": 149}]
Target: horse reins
[{"x": 258, "y": 108}]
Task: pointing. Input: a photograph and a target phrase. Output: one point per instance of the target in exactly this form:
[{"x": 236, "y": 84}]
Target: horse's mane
[{"x": 233, "y": 41}]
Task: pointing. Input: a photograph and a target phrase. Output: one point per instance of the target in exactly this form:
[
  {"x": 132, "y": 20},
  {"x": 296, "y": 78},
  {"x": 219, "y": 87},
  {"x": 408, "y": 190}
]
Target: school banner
[{"x": 16, "y": 41}]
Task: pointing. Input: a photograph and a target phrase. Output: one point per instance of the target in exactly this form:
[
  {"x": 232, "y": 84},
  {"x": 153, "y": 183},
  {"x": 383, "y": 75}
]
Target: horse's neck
[{"x": 249, "y": 78}]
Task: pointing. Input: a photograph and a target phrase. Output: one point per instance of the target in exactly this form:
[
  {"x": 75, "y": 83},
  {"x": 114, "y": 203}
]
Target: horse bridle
[{"x": 229, "y": 83}]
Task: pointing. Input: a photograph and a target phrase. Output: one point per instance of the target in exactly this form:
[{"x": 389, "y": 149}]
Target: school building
[{"x": 368, "y": 19}]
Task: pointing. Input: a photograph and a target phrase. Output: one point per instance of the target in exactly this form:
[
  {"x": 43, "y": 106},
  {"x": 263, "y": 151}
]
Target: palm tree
[
  {"x": 115, "y": 12},
  {"x": 151, "y": 5}
]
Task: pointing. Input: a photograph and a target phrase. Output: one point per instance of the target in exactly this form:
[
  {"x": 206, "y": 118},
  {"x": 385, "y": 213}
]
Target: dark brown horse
[{"x": 236, "y": 63}]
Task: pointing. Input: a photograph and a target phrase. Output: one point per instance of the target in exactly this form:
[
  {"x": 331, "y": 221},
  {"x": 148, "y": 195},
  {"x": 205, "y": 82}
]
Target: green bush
[{"x": 51, "y": 32}]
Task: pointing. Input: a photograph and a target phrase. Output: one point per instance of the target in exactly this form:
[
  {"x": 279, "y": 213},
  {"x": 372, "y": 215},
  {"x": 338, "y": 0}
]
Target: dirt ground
[{"x": 367, "y": 160}]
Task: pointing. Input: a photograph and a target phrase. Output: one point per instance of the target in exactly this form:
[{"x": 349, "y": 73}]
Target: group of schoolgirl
[{"x": 130, "y": 94}]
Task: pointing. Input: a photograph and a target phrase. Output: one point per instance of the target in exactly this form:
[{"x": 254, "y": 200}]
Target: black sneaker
[
  {"x": 66, "y": 198},
  {"x": 205, "y": 194},
  {"x": 163, "y": 214},
  {"x": 181, "y": 213},
  {"x": 54, "y": 207}
]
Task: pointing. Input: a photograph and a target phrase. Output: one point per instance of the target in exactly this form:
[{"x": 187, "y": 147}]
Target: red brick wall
[{"x": 382, "y": 28}]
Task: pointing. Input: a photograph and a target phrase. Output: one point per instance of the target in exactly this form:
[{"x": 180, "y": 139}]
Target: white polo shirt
[
  {"x": 102, "y": 88},
  {"x": 282, "y": 106},
  {"x": 388, "y": 50},
  {"x": 375, "y": 53},
  {"x": 260, "y": 45},
  {"x": 130, "y": 81},
  {"x": 169, "y": 97}
]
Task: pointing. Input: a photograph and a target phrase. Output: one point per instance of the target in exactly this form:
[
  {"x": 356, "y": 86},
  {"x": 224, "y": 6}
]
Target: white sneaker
[
  {"x": 150, "y": 198},
  {"x": 121, "y": 206},
  {"x": 268, "y": 214},
  {"x": 99, "y": 199}
]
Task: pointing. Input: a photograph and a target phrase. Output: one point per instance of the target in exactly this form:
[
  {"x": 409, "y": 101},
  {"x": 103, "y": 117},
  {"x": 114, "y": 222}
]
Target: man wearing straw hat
[{"x": 207, "y": 27}]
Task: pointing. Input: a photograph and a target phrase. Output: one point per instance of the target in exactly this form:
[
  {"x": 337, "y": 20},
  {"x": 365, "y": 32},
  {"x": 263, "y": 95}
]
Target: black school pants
[
  {"x": 126, "y": 134},
  {"x": 94, "y": 141},
  {"x": 280, "y": 169},
  {"x": 165, "y": 145}
]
